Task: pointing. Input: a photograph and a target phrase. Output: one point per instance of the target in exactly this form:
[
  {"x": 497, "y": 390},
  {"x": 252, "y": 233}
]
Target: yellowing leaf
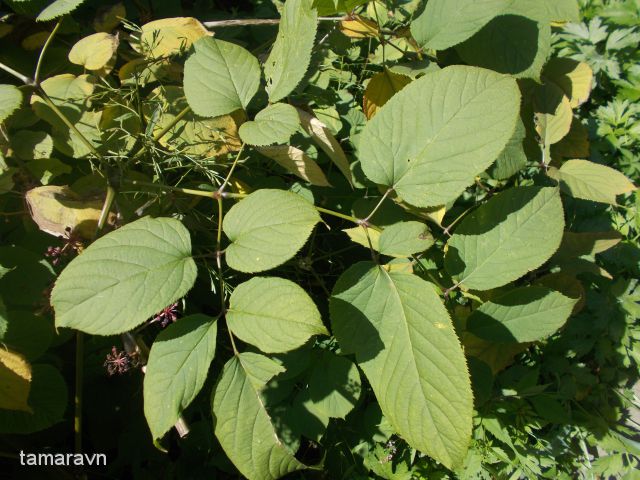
[
  {"x": 142, "y": 71},
  {"x": 591, "y": 181},
  {"x": 15, "y": 381},
  {"x": 55, "y": 208},
  {"x": 572, "y": 77},
  {"x": 359, "y": 27},
  {"x": 553, "y": 113},
  {"x": 170, "y": 36},
  {"x": 362, "y": 237},
  {"x": 95, "y": 51},
  {"x": 321, "y": 135},
  {"x": 297, "y": 162},
  {"x": 109, "y": 17},
  {"x": 380, "y": 89}
]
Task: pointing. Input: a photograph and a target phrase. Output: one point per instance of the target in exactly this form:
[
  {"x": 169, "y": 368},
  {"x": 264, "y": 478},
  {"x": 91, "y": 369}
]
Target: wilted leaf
[{"x": 297, "y": 162}]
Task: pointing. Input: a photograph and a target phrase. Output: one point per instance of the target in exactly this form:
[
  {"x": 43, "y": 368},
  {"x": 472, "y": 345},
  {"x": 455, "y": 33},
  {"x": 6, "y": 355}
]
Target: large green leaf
[
  {"x": 445, "y": 23},
  {"x": 592, "y": 181},
  {"x": 510, "y": 235},
  {"x": 125, "y": 277},
  {"x": 177, "y": 369},
  {"x": 267, "y": 228},
  {"x": 404, "y": 341},
  {"x": 274, "y": 314},
  {"x": 432, "y": 138},
  {"x": 10, "y": 100},
  {"x": 524, "y": 314},
  {"x": 513, "y": 158},
  {"x": 275, "y": 124},
  {"x": 516, "y": 42},
  {"x": 291, "y": 52},
  {"x": 220, "y": 77},
  {"x": 243, "y": 425},
  {"x": 562, "y": 10},
  {"x": 58, "y": 9},
  {"x": 331, "y": 7}
]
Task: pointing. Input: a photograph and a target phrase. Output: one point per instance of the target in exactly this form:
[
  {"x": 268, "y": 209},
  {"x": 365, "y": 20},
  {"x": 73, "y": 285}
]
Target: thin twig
[
  {"x": 258, "y": 21},
  {"x": 23, "y": 78}
]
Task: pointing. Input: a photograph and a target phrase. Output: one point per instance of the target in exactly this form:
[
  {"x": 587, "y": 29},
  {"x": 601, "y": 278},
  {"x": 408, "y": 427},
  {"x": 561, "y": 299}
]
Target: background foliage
[{"x": 260, "y": 242}]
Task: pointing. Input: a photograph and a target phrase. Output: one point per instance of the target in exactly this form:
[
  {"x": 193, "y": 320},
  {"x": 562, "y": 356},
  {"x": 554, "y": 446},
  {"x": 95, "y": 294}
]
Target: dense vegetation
[{"x": 338, "y": 239}]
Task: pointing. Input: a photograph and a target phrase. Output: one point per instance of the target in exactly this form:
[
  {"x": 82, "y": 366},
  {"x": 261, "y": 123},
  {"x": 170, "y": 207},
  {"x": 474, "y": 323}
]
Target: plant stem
[
  {"x": 346, "y": 217},
  {"x": 258, "y": 21},
  {"x": 106, "y": 208},
  {"x": 158, "y": 136},
  {"x": 77, "y": 421},
  {"x": 375, "y": 209},
  {"x": 23, "y": 78},
  {"x": 233, "y": 166},
  {"x": 36, "y": 75},
  {"x": 187, "y": 191}
]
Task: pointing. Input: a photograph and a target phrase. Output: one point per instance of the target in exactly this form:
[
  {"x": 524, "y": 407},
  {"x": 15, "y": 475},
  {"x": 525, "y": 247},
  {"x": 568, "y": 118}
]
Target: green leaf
[
  {"x": 517, "y": 42},
  {"x": 331, "y": 7},
  {"x": 267, "y": 228},
  {"x": 445, "y": 23},
  {"x": 125, "y": 277},
  {"x": 274, "y": 124},
  {"x": 562, "y": 10},
  {"x": 586, "y": 243},
  {"x": 58, "y": 9},
  {"x": 572, "y": 77},
  {"x": 69, "y": 93},
  {"x": 405, "y": 238},
  {"x": 297, "y": 162},
  {"x": 31, "y": 145},
  {"x": 177, "y": 369},
  {"x": 27, "y": 333},
  {"x": 525, "y": 314},
  {"x": 47, "y": 400},
  {"x": 435, "y": 136},
  {"x": 513, "y": 158},
  {"x": 404, "y": 341},
  {"x": 10, "y": 100},
  {"x": 243, "y": 425},
  {"x": 220, "y": 77},
  {"x": 592, "y": 181},
  {"x": 510, "y": 235},
  {"x": 333, "y": 388},
  {"x": 274, "y": 314},
  {"x": 291, "y": 52}
]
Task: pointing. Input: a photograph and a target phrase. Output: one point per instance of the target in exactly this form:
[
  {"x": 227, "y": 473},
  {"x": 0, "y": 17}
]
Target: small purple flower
[
  {"x": 167, "y": 315},
  {"x": 72, "y": 246},
  {"x": 118, "y": 362}
]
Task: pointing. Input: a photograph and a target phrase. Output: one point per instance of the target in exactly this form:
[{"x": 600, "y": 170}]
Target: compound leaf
[
  {"x": 274, "y": 314},
  {"x": 524, "y": 314},
  {"x": 404, "y": 341},
  {"x": 177, "y": 369},
  {"x": 125, "y": 277},
  {"x": 291, "y": 53},
  {"x": 432, "y": 138},
  {"x": 220, "y": 77},
  {"x": 267, "y": 228},
  {"x": 510, "y": 235},
  {"x": 243, "y": 425}
]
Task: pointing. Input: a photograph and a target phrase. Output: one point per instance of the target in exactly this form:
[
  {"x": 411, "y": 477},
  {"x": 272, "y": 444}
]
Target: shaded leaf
[
  {"x": 380, "y": 89},
  {"x": 15, "y": 381}
]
